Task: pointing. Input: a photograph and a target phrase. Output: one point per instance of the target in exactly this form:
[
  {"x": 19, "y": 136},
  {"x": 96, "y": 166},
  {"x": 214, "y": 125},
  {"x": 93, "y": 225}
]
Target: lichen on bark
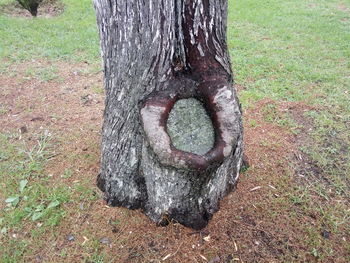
[{"x": 190, "y": 127}]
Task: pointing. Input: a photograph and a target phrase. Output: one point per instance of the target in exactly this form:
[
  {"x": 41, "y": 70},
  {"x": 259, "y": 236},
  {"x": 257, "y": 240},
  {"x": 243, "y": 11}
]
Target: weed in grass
[
  {"x": 39, "y": 151},
  {"x": 96, "y": 258},
  {"x": 4, "y": 67},
  {"x": 253, "y": 123},
  {"x": 67, "y": 174},
  {"x": 44, "y": 74},
  {"x": 85, "y": 191},
  {"x": 273, "y": 115},
  {"x": 97, "y": 89},
  {"x": 3, "y": 110},
  {"x": 29, "y": 200},
  {"x": 14, "y": 255}
]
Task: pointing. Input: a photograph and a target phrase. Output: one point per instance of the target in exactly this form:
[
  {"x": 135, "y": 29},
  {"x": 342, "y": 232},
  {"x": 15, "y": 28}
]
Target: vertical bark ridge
[
  {"x": 204, "y": 37},
  {"x": 136, "y": 55}
]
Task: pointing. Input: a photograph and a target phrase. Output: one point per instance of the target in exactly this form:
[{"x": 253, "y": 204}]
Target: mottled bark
[{"x": 156, "y": 52}]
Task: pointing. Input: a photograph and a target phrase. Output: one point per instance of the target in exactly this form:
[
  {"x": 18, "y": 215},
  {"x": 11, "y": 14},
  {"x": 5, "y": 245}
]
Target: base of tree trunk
[{"x": 195, "y": 214}]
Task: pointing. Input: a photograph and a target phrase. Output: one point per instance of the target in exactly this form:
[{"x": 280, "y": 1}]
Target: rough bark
[{"x": 156, "y": 52}]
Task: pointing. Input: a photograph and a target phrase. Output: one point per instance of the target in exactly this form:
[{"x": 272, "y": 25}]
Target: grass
[
  {"x": 299, "y": 51},
  {"x": 29, "y": 203},
  {"x": 43, "y": 74},
  {"x": 282, "y": 50},
  {"x": 71, "y": 36},
  {"x": 292, "y": 60}
]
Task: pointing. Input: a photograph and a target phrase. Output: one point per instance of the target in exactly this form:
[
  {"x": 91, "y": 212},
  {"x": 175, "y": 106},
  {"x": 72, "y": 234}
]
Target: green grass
[
  {"x": 30, "y": 206},
  {"x": 298, "y": 51},
  {"x": 284, "y": 51},
  {"x": 71, "y": 36},
  {"x": 44, "y": 74}
]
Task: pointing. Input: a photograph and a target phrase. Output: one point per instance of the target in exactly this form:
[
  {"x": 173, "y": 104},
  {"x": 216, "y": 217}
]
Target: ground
[{"x": 292, "y": 68}]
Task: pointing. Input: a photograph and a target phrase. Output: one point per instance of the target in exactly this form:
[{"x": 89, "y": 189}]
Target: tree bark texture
[{"x": 156, "y": 52}]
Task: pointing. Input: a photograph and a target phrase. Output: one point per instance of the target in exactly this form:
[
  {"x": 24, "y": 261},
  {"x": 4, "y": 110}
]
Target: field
[{"x": 291, "y": 61}]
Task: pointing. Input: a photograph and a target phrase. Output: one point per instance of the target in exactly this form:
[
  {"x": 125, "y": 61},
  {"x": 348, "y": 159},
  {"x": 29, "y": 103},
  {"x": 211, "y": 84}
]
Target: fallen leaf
[
  {"x": 22, "y": 185},
  {"x": 37, "y": 215},
  {"x": 85, "y": 240},
  {"x": 207, "y": 238},
  {"x": 53, "y": 204}
]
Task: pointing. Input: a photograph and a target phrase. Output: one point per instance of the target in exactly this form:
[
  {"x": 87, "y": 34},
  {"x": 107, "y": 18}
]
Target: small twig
[
  {"x": 255, "y": 188},
  {"x": 272, "y": 187},
  {"x": 53, "y": 156},
  {"x": 203, "y": 257},
  {"x": 236, "y": 248},
  {"x": 172, "y": 254}
]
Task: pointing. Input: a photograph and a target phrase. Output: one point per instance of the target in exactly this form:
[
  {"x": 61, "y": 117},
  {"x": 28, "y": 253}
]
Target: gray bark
[{"x": 154, "y": 53}]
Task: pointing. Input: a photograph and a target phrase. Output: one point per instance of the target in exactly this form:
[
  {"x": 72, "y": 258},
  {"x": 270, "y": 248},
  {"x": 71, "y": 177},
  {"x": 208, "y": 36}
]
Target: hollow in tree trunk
[{"x": 172, "y": 131}]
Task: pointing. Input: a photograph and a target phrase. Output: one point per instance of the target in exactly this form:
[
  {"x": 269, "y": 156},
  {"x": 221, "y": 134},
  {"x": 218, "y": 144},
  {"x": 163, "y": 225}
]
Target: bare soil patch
[
  {"x": 342, "y": 7},
  {"x": 256, "y": 223},
  {"x": 47, "y": 9}
]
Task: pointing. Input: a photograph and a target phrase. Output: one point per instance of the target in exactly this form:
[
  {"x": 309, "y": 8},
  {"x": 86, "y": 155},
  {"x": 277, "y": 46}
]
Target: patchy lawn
[{"x": 292, "y": 68}]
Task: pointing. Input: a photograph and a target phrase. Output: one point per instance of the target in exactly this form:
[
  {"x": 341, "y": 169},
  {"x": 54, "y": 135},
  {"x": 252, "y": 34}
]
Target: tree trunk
[
  {"x": 156, "y": 53},
  {"x": 31, "y": 5}
]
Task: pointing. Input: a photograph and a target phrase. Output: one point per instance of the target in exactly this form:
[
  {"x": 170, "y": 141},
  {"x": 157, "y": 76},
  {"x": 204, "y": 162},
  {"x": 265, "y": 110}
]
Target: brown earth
[{"x": 256, "y": 223}]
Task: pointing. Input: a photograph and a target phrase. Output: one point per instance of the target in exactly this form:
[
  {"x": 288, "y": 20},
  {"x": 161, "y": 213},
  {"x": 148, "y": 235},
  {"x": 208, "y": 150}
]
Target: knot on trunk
[{"x": 218, "y": 99}]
